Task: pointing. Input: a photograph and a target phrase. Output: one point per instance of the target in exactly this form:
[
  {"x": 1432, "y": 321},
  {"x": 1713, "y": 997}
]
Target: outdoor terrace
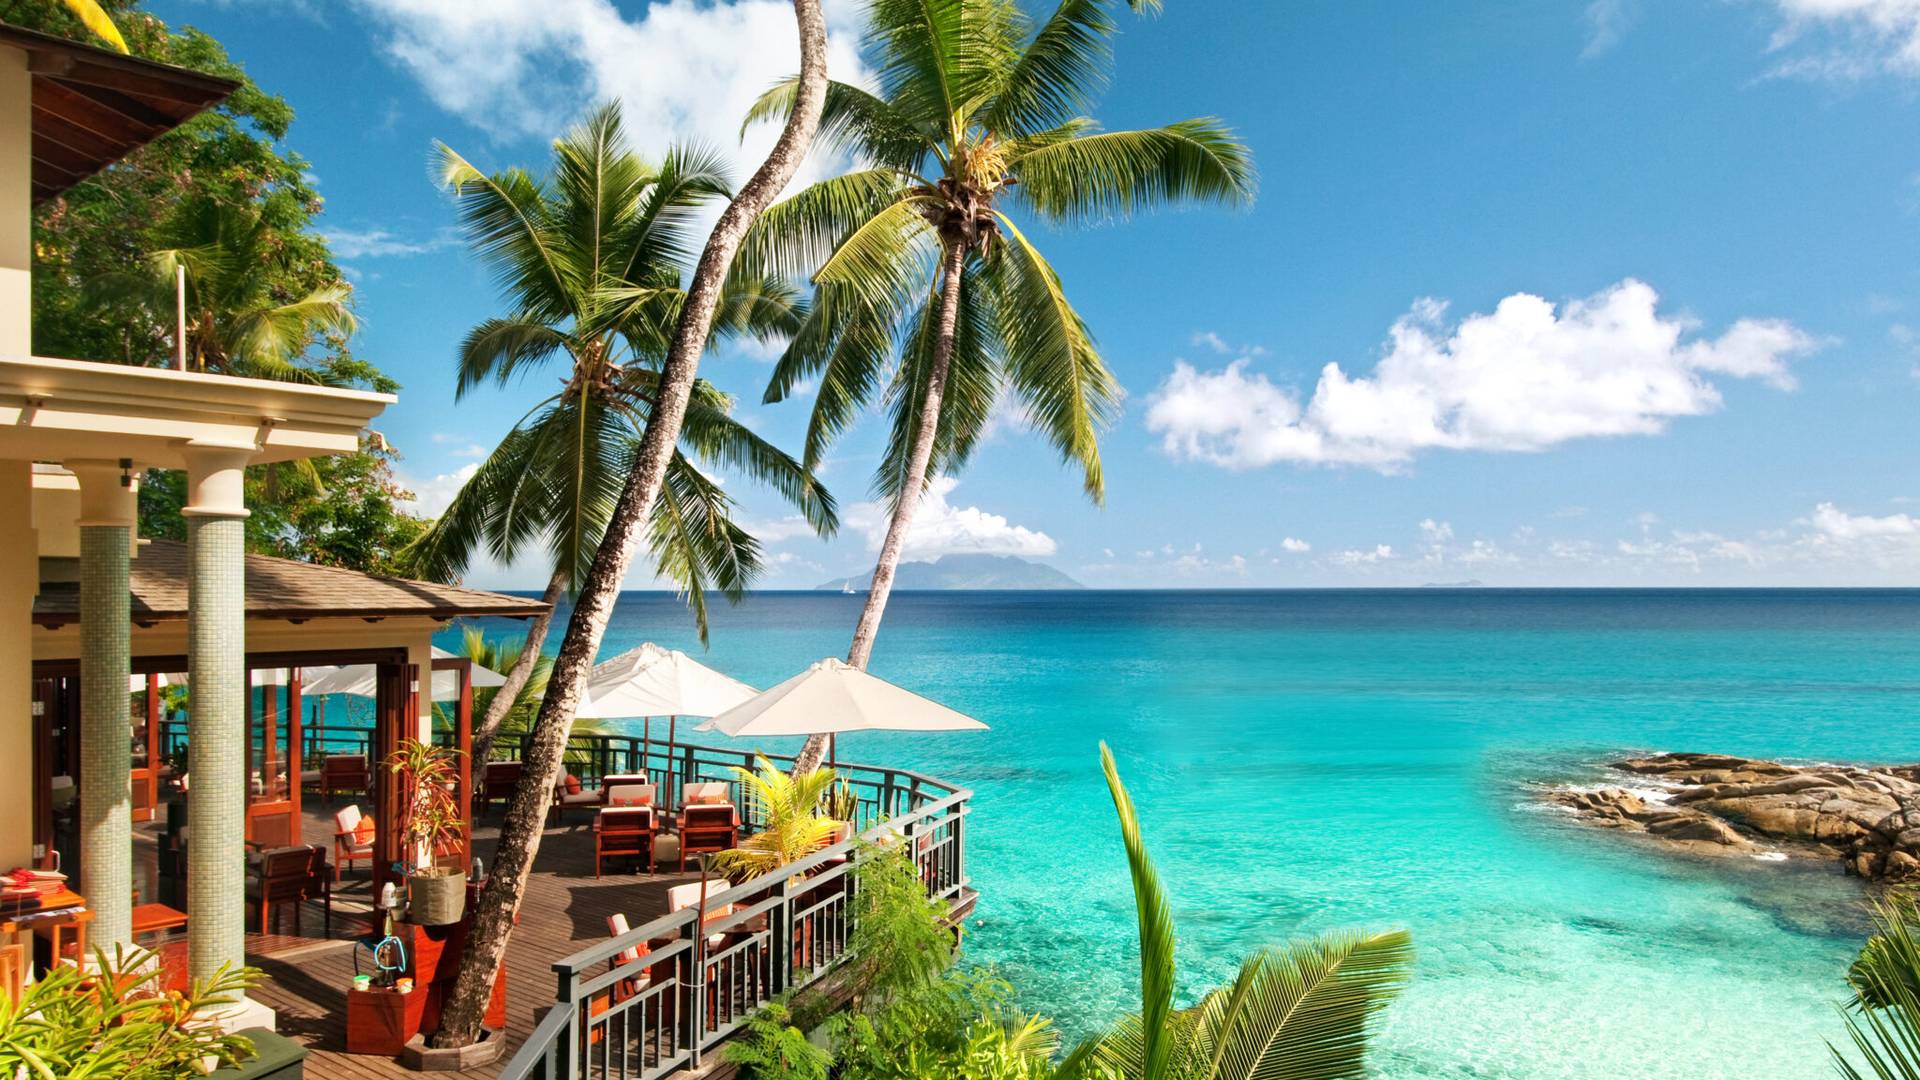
[{"x": 663, "y": 1012}]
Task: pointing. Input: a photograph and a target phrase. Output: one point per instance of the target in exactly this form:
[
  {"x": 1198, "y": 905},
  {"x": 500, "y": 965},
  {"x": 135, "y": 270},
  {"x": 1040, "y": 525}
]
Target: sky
[{"x": 1613, "y": 293}]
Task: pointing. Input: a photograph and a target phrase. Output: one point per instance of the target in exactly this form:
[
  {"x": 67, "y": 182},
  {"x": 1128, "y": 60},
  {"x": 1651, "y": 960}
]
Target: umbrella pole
[
  {"x": 673, "y": 723},
  {"x": 833, "y": 751},
  {"x": 646, "y": 742}
]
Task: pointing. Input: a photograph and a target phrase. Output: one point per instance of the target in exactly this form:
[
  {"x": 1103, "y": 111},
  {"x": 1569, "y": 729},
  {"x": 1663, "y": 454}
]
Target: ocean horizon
[{"x": 1313, "y": 759}]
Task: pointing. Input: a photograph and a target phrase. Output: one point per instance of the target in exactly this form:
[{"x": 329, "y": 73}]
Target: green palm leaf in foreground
[
  {"x": 1299, "y": 1012},
  {"x": 793, "y": 823},
  {"x": 1885, "y": 1020},
  {"x": 929, "y": 300}
]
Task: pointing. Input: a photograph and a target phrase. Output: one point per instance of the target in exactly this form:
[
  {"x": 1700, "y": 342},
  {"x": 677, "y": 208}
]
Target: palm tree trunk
[
  {"x": 520, "y": 832},
  {"x": 520, "y": 672},
  {"x": 925, "y": 432}
]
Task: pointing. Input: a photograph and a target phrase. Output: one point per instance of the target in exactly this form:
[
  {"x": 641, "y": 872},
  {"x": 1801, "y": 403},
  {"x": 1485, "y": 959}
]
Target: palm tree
[
  {"x": 235, "y": 323},
  {"x": 1884, "y": 1023},
  {"x": 793, "y": 822},
  {"x": 927, "y": 293},
  {"x": 1295, "y": 1013},
  {"x": 95, "y": 18},
  {"x": 520, "y": 832},
  {"x": 590, "y": 259}
]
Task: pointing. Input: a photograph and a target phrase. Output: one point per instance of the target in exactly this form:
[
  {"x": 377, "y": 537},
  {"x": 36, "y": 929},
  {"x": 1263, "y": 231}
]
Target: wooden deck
[{"x": 564, "y": 910}]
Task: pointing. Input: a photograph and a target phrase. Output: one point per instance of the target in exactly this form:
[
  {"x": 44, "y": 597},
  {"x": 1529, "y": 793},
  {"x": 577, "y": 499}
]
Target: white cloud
[
  {"x": 1607, "y": 22},
  {"x": 682, "y": 68},
  {"x": 791, "y": 527},
  {"x": 1436, "y": 532},
  {"x": 431, "y": 497},
  {"x": 1357, "y": 557},
  {"x": 1832, "y": 521},
  {"x": 379, "y": 243},
  {"x": 1526, "y": 377},
  {"x": 459, "y": 445},
  {"x": 1847, "y": 39},
  {"x": 940, "y": 528},
  {"x": 1295, "y": 546}
]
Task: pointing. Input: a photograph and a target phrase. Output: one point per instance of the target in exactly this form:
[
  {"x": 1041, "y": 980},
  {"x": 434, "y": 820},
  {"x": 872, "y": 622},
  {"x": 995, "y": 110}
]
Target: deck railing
[{"x": 698, "y": 980}]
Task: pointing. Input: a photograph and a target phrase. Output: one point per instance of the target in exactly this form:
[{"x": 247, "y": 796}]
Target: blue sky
[{"x": 1619, "y": 292}]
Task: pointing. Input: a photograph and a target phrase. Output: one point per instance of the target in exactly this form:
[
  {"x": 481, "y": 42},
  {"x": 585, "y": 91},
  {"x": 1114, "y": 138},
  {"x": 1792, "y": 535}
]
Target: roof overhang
[
  {"x": 54, "y": 410},
  {"x": 92, "y": 107}
]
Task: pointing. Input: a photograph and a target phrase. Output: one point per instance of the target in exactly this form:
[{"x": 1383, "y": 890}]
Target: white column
[
  {"x": 217, "y": 736},
  {"x": 106, "y": 760}
]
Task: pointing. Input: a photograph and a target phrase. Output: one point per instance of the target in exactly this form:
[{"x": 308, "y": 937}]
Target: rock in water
[{"x": 1867, "y": 818}]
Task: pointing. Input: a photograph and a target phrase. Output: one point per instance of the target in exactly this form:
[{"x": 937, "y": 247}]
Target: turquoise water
[{"x": 1311, "y": 760}]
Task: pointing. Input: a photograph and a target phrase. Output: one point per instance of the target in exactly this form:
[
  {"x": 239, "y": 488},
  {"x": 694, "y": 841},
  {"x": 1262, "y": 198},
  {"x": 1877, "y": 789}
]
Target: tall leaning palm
[
  {"x": 1301, "y": 1012},
  {"x": 590, "y": 259},
  {"x": 928, "y": 294},
  {"x": 520, "y": 833}
]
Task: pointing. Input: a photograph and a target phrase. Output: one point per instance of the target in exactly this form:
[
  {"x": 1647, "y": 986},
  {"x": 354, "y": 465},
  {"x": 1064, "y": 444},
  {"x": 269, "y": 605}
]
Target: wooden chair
[
  {"x": 614, "y": 780},
  {"x": 706, "y": 828},
  {"x": 568, "y": 794},
  {"x": 623, "y": 832},
  {"x": 497, "y": 781},
  {"x": 344, "y": 772},
  {"x": 289, "y": 875},
  {"x": 352, "y": 838}
]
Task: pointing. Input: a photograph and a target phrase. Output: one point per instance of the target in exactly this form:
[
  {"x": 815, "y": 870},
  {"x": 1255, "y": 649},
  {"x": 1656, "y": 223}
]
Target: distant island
[
  {"x": 1453, "y": 585},
  {"x": 965, "y": 572}
]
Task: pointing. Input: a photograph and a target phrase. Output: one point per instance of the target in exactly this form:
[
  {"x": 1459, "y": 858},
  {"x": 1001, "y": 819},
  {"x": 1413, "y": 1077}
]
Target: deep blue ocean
[{"x": 1306, "y": 760}]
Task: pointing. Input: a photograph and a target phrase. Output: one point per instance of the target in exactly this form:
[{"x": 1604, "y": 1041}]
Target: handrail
[{"x": 697, "y": 978}]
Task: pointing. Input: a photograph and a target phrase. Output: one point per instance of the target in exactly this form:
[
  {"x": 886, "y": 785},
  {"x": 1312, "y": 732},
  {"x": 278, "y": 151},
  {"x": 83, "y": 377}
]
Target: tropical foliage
[
  {"x": 237, "y": 322},
  {"x": 429, "y": 813},
  {"x": 1884, "y": 1022},
  {"x": 348, "y": 511},
  {"x": 792, "y": 818},
  {"x": 929, "y": 297},
  {"x": 118, "y": 1021},
  {"x": 590, "y": 259},
  {"x": 1302, "y": 1012}
]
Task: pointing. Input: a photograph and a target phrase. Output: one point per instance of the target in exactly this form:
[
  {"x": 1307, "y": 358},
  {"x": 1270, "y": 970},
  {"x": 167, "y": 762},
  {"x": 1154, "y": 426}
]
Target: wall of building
[
  {"x": 16, "y": 204},
  {"x": 19, "y": 581}
]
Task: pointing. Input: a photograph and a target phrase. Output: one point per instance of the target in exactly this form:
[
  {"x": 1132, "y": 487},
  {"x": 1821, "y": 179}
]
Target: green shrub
[{"x": 117, "y": 1022}]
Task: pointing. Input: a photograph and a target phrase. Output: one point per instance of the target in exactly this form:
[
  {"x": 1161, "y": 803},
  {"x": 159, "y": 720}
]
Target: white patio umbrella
[
  {"x": 360, "y": 680},
  {"x": 833, "y": 696},
  {"x": 650, "y": 681}
]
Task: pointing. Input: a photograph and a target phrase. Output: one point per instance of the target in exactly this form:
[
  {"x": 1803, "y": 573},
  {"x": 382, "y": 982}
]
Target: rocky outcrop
[{"x": 1868, "y": 818}]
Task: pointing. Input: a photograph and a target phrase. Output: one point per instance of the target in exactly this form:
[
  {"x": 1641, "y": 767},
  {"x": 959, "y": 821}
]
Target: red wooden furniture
[
  {"x": 623, "y": 832},
  {"x": 345, "y": 772},
  {"x": 291, "y": 875},
  {"x": 353, "y": 836},
  {"x": 497, "y": 781},
  {"x": 381, "y": 1021},
  {"x": 155, "y": 918},
  {"x": 707, "y": 827}
]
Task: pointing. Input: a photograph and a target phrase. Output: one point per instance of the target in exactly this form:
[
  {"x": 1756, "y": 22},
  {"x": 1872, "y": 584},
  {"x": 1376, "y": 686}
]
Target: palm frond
[
  {"x": 509, "y": 226},
  {"x": 1115, "y": 174},
  {"x": 853, "y": 121},
  {"x": 1061, "y": 71},
  {"x": 498, "y": 349},
  {"x": 794, "y": 236},
  {"x": 1155, "y": 917},
  {"x": 1302, "y": 1012},
  {"x": 1052, "y": 364}
]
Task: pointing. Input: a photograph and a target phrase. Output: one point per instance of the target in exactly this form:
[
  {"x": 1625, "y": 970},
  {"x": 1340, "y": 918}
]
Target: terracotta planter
[{"x": 436, "y": 898}]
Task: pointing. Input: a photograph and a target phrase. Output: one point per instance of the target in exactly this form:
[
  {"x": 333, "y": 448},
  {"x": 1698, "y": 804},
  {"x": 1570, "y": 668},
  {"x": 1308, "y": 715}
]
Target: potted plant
[
  {"x": 797, "y": 822},
  {"x": 430, "y": 822}
]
